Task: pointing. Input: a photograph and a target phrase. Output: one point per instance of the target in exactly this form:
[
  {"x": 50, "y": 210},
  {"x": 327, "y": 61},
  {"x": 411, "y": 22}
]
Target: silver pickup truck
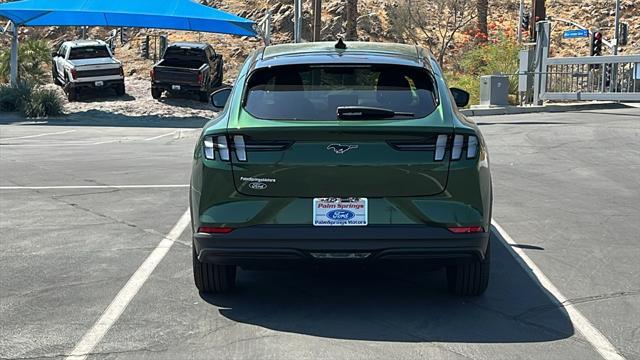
[{"x": 85, "y": 64}]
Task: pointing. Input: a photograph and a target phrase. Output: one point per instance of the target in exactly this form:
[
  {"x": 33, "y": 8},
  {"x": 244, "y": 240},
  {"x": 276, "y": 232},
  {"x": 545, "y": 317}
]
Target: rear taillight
[
  {"x": 74, "y": 74},
  {"x": 441, "y": 147},
  {"x": 459, "y": 144},
  {"x": 456, "y": 150},
  {"x": 121, "y": 71},
  {"x": 239, "y": 146},
  {"x": 472, "y": 147},
  {"x": 152, "y": 73},
  {"x": 466, "y": 229},
  {"x": 213, "y": 144},
  {"x": 215, "y": 230},
  {"x": 200, "y": 79}
]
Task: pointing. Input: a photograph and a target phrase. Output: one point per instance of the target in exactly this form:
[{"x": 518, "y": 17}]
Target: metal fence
[{"x": 609, "y": 78}]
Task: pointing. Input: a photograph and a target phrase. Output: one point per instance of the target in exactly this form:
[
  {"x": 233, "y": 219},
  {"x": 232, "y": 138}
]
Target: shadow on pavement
[
  {"x": 102, "y": 95},
  {"x": 99, "y": 118},
  {"x": 480, "y": 123},
  {"x": 185, "y": 101},
  {"x": 398, "y": 306}
]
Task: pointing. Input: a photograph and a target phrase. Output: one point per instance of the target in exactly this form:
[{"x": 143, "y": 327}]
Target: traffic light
[
  {"x": 525, "y": 22},
  {"x": 596, "y": 43}
]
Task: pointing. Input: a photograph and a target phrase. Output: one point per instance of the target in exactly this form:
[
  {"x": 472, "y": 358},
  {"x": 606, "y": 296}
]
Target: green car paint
[
  {"x": 407, "y": 189},
  {"x": 272, "y": 192}
]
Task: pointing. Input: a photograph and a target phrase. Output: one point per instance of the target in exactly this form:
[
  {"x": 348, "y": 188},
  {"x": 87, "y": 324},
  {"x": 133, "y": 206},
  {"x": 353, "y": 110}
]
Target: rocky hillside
[{"x": 374, "y": 24}]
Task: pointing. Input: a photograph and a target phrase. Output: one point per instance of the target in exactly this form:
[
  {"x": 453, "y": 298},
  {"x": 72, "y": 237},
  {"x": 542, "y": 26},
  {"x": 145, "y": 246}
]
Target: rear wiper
[{"x": 367, "y": 112}]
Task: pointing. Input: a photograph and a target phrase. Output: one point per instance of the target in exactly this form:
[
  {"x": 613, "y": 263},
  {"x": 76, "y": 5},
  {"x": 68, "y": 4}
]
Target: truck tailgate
[{"x": 176, "y": 75}]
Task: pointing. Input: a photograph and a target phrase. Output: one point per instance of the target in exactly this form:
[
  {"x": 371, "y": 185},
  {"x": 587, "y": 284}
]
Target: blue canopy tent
[{"x": 166, "y": 14}]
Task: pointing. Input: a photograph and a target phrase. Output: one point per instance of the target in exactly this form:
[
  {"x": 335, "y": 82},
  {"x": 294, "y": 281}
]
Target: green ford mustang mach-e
[{"x": 328, "y": 153}]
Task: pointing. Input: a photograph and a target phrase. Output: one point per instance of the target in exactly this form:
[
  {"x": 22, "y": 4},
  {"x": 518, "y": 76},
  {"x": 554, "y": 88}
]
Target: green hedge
[
  {"x": 30, "y": 101},
  {"x": 499, "y": 55}
]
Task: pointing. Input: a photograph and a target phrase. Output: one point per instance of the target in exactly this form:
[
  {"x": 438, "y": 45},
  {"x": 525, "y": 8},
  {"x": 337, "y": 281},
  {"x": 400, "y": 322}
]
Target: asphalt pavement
[{"x": 83, "y": 205}]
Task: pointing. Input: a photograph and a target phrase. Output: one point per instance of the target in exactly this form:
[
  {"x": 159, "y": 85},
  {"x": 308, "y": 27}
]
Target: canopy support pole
[{"x": 14, "y": 55}]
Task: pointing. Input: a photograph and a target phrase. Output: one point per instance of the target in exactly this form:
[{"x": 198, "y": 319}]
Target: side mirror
[
  {"x": 219, "y": 97},
  {"x": 54, "y": 54},
  {"x": 460, "y": 96}
]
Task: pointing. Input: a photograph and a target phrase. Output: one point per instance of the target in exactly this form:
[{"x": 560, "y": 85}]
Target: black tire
[
  {"x": 156, "y": 93},
  {"x": 470, "y": 279},
  {"x": 203, "y": 96},
  {"x": 220, "y": 77},
  {"x": 212, "y": 278},
  {"x": 120, "y": 90},
  {"x": 72, "y": 94},
  {"x": 54, "y": 74}
]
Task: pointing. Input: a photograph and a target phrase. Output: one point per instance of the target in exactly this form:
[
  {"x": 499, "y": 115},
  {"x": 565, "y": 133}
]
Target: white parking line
[
  {"x": 58, "y": 145},
  {"x": 160, "y": 136},
  {"x": 39, "y": 135},
  {"x": 128, "y": 292},
  {"x": 600, "y": 343},
  {"x": 79, "y": 187}
]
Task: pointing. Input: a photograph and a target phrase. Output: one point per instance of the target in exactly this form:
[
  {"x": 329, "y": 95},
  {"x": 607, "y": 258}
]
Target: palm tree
[
  {"x": 33, "y": 57},
  {"x": 482, "y": 7},
  {"x": 352, "y": 20}
]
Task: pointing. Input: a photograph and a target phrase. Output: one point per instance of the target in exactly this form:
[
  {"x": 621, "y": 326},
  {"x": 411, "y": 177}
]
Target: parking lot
[{"x": 95, "y": 255}]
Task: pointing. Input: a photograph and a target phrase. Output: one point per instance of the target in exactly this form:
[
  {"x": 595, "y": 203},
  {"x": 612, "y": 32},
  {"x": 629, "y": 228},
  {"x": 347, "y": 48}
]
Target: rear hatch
[
  {"x": 337, "y": 161},
  {"x": 389, "y": 139}
]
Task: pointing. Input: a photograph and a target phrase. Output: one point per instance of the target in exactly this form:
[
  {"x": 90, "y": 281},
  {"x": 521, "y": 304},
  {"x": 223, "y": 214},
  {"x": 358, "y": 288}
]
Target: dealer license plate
[
  {"x": 175, "y": 87},
  {"x": 340, "y": 212},
  {"x": 99, "y": 83}
]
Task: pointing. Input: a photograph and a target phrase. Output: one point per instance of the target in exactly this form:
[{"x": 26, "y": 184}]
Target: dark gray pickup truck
[{"x": 190, "y": 68}]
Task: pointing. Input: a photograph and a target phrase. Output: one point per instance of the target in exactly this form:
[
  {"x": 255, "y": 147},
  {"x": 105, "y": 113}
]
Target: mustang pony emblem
[{"x": 341, "y": 149}]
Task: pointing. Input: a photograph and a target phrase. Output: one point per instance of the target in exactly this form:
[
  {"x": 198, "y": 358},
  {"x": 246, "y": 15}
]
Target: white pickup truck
[{"x": 84, "y": 64}]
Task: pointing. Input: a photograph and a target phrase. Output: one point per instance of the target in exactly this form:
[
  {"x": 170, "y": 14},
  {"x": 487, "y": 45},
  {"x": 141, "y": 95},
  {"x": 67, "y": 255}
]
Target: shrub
[
  {"x": 43, "y": 103},
  {"x": 470, "y": 83},
  {"x": 499, "y": 55},
  {"x": 31, "y": 102},
  {"x": 13, "y": 98},
  {"x": 33, "y": 58}
]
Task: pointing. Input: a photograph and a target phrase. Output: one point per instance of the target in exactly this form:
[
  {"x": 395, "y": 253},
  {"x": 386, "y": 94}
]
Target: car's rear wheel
[
  {"x": 72, "y": 94},
  {"x": 156, "y": 93},
  {"x": 212, "y": 278},
  {"x": 120, "y": 90},
  {"x": 470, "y": 279}
]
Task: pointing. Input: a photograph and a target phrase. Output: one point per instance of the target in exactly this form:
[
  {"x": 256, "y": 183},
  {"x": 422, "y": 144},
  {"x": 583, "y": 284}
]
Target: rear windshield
[
  {"x": 314, "y": 92},
  {"x": 189, "y": 57},
  {"x": 89, "y": 52}
]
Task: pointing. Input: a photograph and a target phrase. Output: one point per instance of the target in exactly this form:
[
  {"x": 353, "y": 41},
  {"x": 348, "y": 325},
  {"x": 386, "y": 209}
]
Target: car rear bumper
[
  {"x": 166, "y": 86},
  {"x": 92, "y": 84},
  {"x": 304, "y": 244}
]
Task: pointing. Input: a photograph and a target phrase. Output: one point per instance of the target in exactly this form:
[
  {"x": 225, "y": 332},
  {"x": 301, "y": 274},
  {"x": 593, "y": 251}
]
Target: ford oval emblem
[
  {"x": 341, "y": 215},
  {"x": 258, "y": 186}
]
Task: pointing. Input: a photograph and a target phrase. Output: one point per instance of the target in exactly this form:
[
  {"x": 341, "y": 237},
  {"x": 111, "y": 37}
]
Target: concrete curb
[{"x": 511, "y": 110}]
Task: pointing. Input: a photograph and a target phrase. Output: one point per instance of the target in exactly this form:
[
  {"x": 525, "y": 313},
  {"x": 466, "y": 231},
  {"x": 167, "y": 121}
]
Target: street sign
[{"x": 572, "y": 34}]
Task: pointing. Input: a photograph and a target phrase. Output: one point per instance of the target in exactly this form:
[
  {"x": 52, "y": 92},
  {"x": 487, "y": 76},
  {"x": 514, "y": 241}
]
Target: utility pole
[
  {"x": 520, "y": 17},
  {"x": 14, "y": 55},
  {"x": 538, "y": 13},
  {"x": 617, "y": 29},
  {"x": 317, "y": 19},
  {"x": 297, "y": 15}
]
